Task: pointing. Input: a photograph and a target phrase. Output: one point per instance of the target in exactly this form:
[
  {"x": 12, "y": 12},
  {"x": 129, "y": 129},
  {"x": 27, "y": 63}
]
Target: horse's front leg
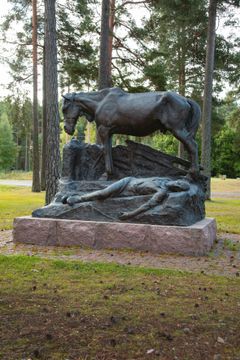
[{"x": 106, "y": 140}]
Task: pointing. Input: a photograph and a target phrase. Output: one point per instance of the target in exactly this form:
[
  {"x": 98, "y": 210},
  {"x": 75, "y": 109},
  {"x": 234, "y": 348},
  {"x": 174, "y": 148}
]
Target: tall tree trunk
[
  {"x": 36, "y": 179},
  {"x": 106, "y": 40},
  {"x": 26, "y": 154},
  {"x": 44, "y": 130},
  {"x": 181, "y": 77},
  {"x": 52, "y": 114},
  {"x": 104, "y": 80},
  {"x": 110, "y": 38},
  {"x": 207, "y": 100}
]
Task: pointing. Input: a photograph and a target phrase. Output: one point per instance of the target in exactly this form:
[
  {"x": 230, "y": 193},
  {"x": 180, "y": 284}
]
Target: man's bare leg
[{"x": 155, "y": 200}]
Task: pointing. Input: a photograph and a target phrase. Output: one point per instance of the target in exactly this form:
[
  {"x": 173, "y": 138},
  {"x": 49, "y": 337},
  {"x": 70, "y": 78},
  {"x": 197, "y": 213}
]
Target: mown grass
[
  {"x": 228, "y": 185},
  {"x": 226, "y": 212},
  {"x": 17, "y": 201},
  {"x": 16, "y": 175},
  {"x": 70, "y": 310}
]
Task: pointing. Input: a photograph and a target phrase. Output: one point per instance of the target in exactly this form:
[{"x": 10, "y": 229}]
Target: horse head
[{"x": 72, "y": 109}]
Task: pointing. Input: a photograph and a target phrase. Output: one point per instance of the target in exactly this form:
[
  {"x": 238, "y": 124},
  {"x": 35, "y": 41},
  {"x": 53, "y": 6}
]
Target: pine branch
[
  {"x": 131, "y": 33},
  {"x": 122, "y": 45},
  {"x": 119, "y": 73},
  {"x": 129, "y": 2}
]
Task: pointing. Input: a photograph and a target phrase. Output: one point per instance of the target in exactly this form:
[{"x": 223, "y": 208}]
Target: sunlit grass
[
  {"x": 17, "y": 201},
  {"x": 228, "y": 185},
  {"x": 227, "y": 214}
]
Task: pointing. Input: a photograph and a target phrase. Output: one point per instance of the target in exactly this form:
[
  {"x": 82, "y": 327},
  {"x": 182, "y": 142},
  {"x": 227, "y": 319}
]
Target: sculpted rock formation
[{"x": 147, "y": 186}]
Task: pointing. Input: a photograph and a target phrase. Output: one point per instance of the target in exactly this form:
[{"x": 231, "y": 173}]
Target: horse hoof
[
  {"x": 64, "y": 199},
  {"x": 192, "y": 175}
]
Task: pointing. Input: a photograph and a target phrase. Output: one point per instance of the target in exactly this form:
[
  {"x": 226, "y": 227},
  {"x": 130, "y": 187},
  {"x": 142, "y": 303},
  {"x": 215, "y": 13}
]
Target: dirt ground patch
[
  {"x": 224, "y": 258},
  {"x": 59, "y": 310}
]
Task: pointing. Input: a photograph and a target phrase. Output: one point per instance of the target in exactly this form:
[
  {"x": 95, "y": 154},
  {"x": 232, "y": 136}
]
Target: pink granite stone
[
  {"x": 119, "y": 235},
  {"x": 71, "y": 234},
  {"x": 196, "y": 239},
  {"x": 30, "y": 230}
]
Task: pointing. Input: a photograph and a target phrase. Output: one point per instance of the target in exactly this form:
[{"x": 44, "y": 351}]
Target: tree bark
[
  {"x": 207, "y": 100},
  {"x": 181, "y": 77},
  {"x": 51, "y": 96},
  {"x": 44, "y": 130},
  {"x": 26, "y": 154},
  {"x": 106, "y": 43},
  {"x": 105, "y": 56},
  {"x": 36, "y": 179}
]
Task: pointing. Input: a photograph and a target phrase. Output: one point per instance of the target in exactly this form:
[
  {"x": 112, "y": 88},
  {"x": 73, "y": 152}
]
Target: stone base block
[{"x": 195, "y": 240}]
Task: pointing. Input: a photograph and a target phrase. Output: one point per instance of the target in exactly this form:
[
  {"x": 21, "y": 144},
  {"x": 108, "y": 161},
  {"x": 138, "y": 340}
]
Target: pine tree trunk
[
  {"x": 36, "y": 179},
  {"x": 44, "y": 132},
  {"x": 104, "y": 64},
  {"x": 26, "y": 154},
  {"x": 51, "y": 96},
  {"x": 110, "y": 38},
  {"x": 181, "y": 78},
  {"x": 106, "y": 40},
  {"x": 207, "y": 100}
]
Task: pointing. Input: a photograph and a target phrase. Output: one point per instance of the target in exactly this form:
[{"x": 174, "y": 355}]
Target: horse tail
[{"x": 193, "y": 120}]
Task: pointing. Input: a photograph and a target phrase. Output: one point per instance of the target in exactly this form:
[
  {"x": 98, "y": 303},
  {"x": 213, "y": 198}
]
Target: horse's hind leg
[
  {"x": 191, "y": 146},
  {"x": 106, "y": 140}
]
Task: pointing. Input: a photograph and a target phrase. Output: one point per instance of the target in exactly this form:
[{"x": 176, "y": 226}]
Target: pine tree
[
  {"x": 105, "y": 47},
  {"x": 207, "y": 101},
  {"x": 36, "y": 168},
  {"x": 52, "y": 113}
]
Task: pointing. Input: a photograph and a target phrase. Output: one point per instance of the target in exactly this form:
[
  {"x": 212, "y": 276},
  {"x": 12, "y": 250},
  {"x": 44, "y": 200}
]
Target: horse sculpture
[{"x": 118, "y": 112}]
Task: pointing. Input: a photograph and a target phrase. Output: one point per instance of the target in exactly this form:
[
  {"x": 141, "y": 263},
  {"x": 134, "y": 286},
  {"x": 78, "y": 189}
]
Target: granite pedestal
[{"x": 194, "y": 240}]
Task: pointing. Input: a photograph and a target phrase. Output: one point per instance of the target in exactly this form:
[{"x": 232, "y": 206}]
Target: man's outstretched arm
[{"x": 113, "y": 189}]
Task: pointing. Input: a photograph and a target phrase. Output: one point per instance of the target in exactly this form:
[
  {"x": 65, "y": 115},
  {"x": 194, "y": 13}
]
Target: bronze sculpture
[
  {"x": 159, "y": 188},
  {"x": 118, "y": 112},
  {"x": 145, "y": 185}
]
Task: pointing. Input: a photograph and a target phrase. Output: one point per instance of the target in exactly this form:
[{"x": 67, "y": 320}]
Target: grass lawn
[
  {"x": 69, "y": 310},
  {"x": 17, "y": 201},
  {"x": 227, "y": 214},
  {"x": 16, "y": 175},
  {"x": 228, "y": 185}
]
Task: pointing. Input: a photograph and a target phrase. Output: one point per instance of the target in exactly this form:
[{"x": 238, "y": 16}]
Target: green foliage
[
  {"x": 156, "y": 73},
  {"x": 7, "y": 146},
  {"x": 19, "y": 113},
  {"x": 226, "y": 138},
  {"x": 232, "y": 246},
  {"x": 166, "y": 143},
  {"x": 226, "y": 153},
  {"x": 176, "y": 34}
]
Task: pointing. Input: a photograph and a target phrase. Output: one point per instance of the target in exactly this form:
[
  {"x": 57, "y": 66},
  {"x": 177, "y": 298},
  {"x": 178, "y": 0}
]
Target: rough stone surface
[
  {"x": 140, "y": 190},
  {"x": 83, "y": 161},
  {"x": 195, "y": 240},
  {"x": 182, "y": 208}
]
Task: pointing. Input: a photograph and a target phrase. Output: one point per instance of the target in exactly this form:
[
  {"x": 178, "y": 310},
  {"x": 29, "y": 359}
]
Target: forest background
[{"x": 156, "y": 46}]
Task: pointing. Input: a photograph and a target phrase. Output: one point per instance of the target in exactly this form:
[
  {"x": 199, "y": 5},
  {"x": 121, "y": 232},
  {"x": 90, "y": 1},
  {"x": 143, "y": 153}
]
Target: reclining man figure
[{"x": 159, "y": 187}]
